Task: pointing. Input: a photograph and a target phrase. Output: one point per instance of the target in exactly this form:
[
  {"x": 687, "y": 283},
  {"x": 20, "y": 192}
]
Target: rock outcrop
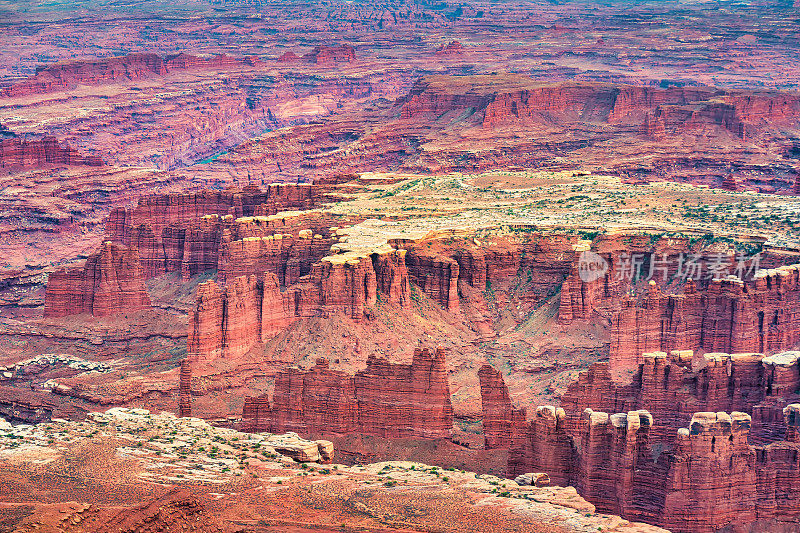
[
  {"x": 391, "y": 276},
  {"x": 185, "y": 389},
  {"x": 730, "y": 316},
  {"x": 288, "y": 257},
  {"x": 226, "y": 321},
  {"x": 314, "y": 275},
  {"x": 230, "y": 319},
  {"x": 796, "y": 185},
  {"x": 674, "y": 386},
  {"x": 501, "y": 422},
  {"x": 612, "y": 463},
  {"x": 330, "y": 55},
  {"x": 543, "y": 444},
  {"x": 705, "y": 478},
  {"x": 437, "y": 276},
  {"x": 385, "y": 399},
  {"x": 453, "y": 48},
  {"x": 712, "y": 478},
  {"x": 443, "y": 267},
  {"x": 67, "y": 75},
  {"x": 21, "y": 153},
  {"x": 110, "y": 282},
  {"x": 184, "y": 232},
  {"x": 726, "y": 305}
]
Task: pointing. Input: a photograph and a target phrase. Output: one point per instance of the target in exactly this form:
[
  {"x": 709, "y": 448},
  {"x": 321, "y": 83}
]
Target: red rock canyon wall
[
  {"x": 386, "y": 399},
  {"x": 703, "y": 478},
  {"x": 111, "y": 281}
]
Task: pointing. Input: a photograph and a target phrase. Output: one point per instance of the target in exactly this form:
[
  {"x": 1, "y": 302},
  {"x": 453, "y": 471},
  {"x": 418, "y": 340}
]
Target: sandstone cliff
[
  {"x": 111, "y": 281},
  {"x": 184, "y": 232},
  {"x": 703, "y": 478},
  {"x": 730, "y": 316},
  {"x": 385, "y": 399},
  {"x": 567, "y": 117},
  {"x": 67, "y": 75},
  {"x": 330, "y": 55},
  {"x": 21, "y": 153},
  {"x": 229, "y": 320}
]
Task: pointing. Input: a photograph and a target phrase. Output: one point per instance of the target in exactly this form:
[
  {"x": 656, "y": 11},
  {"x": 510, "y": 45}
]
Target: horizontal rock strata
[
  {"x": 705, "y": 478},
  {"x": 110, "y": 282},
  {"x": 386, "y": 399}
]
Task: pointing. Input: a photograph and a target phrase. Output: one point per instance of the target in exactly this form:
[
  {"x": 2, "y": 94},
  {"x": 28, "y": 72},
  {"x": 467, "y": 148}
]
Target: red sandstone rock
[
  {"x": 387, "y": 400},
  {"x": 791, "y": 417},
  {"x": 22, "y": 153},
  {"x": 453, "y": 48},
  {"x": 538, "y": 445},
  {"x": 425, "y": 100},
  {"x": 436, "y": 275},
  {"x": 459, "y": 273},
  {"x": 229, "y": 321},
  {"x": 500, "y": 419},
  {"x": 345, "y": 285},
  {"x": 242, "y": 315},
  {"x": 201, "y": 247},
  {"x": 316, "y": 401},
  {"x": 405, "y": 400},
  {"x": 207, "y": 322},
  {"x": 675, "y": 386},
  {"x": 61, "y": 76},
  {"x": 278, "y": 310},
  {"x": 728, "y": 317},
  {"x": 256, "y": 415},
  {"x": 796, "y": 186},
  {"x": 184, "y": 232},
  {"x": 508, "y": 104},
  {"x": 110, "y": 282},
  {"x": 707, "y": 479},
  {"x": 619, "y": 260},
  {"x": 543, "y": 445},
  {"x": 185, "y": 389},
  {"x": 712, "y": 479},
  {"x": 730, "y": 183},
  {"x": 331, "y": 55},
  {"x": 391, "y": 277},
  {"x": 255, "y": 245},
  {"x": 610, "y": 448},
  {"x": 288, "y": 57}
]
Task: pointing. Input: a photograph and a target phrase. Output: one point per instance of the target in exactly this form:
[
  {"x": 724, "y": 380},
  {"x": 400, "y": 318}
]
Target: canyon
[
  {"x": 284, "y": 258},
  {"x": 400, "y": 267},
  {"x": 594, "y": 123},
  {"x": 644, "y": 464}
]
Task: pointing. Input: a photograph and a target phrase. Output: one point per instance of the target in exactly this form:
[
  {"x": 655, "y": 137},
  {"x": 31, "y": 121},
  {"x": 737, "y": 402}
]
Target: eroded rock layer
[
  {"x": 229, "y": 320},
  {"x": 730, "y": 316},
  {"x": 67, "y": 75},
  {"x": 568, "y": 117},
  {"x": 703, "y": 478},
  {"x": 674, "y": 386},
  {"x": 111, "y": 281},
  {"x": 386, "y": 399},
  {"x": 184, "y": 232},
  {"x": 21, "y": 153}
]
